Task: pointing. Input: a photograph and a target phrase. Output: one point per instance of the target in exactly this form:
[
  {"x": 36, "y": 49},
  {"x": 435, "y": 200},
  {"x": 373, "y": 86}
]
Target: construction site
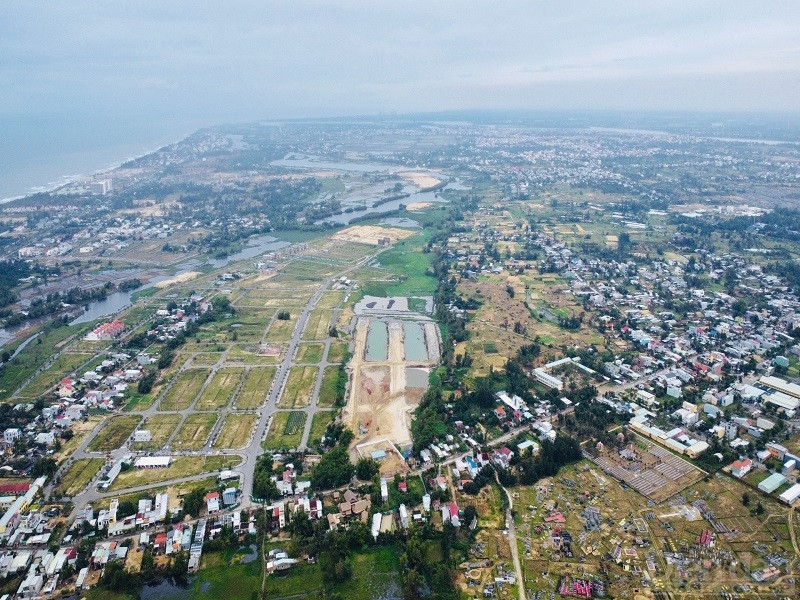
[{"x": 392, "y": 359}]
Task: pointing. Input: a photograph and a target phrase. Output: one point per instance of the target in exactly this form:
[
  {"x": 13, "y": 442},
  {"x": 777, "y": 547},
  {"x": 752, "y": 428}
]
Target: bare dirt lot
[{"x": 372, "y": 235}]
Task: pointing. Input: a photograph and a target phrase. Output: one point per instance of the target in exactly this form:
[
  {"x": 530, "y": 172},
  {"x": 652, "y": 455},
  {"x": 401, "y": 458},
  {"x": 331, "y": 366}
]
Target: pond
[
  {"x": 414, "y": 342},
  {"x": 377, "y": 341}
]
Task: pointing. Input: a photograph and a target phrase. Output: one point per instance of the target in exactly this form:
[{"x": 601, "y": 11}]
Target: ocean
[{"x": 40, "y": 152}]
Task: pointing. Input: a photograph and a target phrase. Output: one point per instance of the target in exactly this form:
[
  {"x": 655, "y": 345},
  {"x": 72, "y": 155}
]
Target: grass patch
[
  {"x": 309, "y": 353},
  {"x": 78, "y": 475},
  {"x": 184, "y": 390},
  {"x": 221, "y": 388},
  {"x": 184, "y": 466},
  {"x": 299, "y": 387},
  {"x": 114, "y": 433},
  {"x": 318, "y": 324},
  {"x": 408, "y": 267},
  {"x": 64, "y": 365},
  {"x": 338, "y": 351},
  {"x": 137, "y": 401},
  {"x": 161, "y": 427},
  {"x": 255, "y": 387},
  {"x": 327, "y": 390},
  {"x": 280, "y": 330},
  {"x": 236, "y": 431},
  {"x": 490, "y": 347},
  {"x": 318, "y": 426},
  {"x": 286, "y": 430},
  {"x": 194, "y": 432}
]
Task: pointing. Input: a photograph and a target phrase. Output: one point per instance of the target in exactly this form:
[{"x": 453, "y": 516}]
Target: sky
[{"x": 204, "y": 63}]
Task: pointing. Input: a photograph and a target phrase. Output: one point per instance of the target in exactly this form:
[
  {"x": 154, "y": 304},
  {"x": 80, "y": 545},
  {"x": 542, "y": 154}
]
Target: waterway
[
  {"x": 414, "y": 342},
  {"x": 377, "y": 341}
]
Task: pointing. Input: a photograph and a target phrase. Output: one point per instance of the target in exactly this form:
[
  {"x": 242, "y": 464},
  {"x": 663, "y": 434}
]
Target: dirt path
[{"x": 512, "y": 540}]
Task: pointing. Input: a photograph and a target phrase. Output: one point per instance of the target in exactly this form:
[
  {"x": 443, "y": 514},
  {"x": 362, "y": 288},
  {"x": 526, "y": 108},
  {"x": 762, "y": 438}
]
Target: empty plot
[
  {"x": 318, "y": 325},
  {"x": 194, "y": 432},
  {"x": 327, "y": 391},
  {"x": 286, "y": 430},
  {"x": 255, "y": 387},
  {"x": 330, "y": 299},
  {"x": 78, "y": 475},
  {"x": 318, "y": 426},
  {"x": 281, "y": 330},
  {"x": 184, "y": 466},
  {"x": 206, "y": 359},
  {"x": 160, "y": 427},
  {"x": 338, "y": 351},
  {"x": 236, "y": 431},
  {"x": 115, "y": 432},
  {"x": 309, "y": 353},
  {"x": 299, "y": 387},
  {"x": 220, "y": 389},
  {"x": 185, "y": 389}
]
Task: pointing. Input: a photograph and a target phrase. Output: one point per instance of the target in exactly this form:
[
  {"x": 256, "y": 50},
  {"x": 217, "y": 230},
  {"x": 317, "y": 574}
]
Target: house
[
  {"x": 503, "y": 457},
  {"x": 740, "y": 468},
  {"x": 11, "y": 434},
  {"x": 229, "y": 496},
  {"x": 212, "y": 502}
]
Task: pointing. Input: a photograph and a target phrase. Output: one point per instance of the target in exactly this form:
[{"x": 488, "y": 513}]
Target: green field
[
  {"x": 161, "y": 427},
  {"x": 309, "y": 353},
  {"x": 338, "y": 351},
  {"x": 78, "y": 475},
  {"x": 408, "y": 267},
  {"x": 319, "y": 322},
  {"x": 299, "y": 387},
  {"x": 235, "y": 431},
  {"x": 327, "y": 391},
  {"x": 114, "y": 433},
  {"x": 318, "y": 425},
  {"x": 255, "y": 387},
  {"x": 220, "y": 389},
  {"x": 184, "y": 390},
  {"x": 62, "y": 367},
  {"x": 286, "y": 430},
  {"x": 280, "y": 330},
  {"x": 194, "y": 432}
]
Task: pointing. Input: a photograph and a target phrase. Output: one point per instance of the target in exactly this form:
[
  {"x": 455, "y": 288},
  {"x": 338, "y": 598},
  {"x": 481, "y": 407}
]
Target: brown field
[
  {"x": 255, "y": 387},
  {"x": 370, "y": 234}
]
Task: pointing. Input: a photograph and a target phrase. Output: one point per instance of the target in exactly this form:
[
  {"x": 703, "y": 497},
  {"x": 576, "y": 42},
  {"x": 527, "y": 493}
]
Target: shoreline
[{"x": 51, "y": 187}]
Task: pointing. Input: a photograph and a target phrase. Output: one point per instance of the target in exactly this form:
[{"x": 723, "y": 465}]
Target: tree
[
  {"x": 44, "y": 466},
  {"x": 333, "y": 470},
  {"x": 745, "y": 499},
  {"x": 145, "y": 385},
  {"x": 193, "y": 502},
  {"x": 366, "y": 469}
]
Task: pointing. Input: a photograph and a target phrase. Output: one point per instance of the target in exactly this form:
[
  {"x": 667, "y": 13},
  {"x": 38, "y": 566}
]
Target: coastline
[{"x": 66, "y": 180}]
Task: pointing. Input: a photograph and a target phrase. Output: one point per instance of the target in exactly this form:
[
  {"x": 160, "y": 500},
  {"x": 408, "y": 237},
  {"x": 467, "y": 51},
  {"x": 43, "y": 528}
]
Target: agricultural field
[
  {"x": 318, "y": 324},
  {"x": 220, "y": 389},
  {"x": 194, "y": 432},
  {"x": 236, "y": 430},
  {"x": 184, "y": 389},
  {"x": 286, "y": 430},
  {"x": 78, "y": 475},
  {"x": 298, "y": 388},
  {"x": 318, "y": 425},
  {"x": 161, "y": 427},
  {"x": 327, "y": 390},
  {"x": 309, "y": 353},
  {"x": 255, "y": 387},
  {"x": 65, "y": 364},
  {"x": 183, "y": 466},
  {"x": 114, "y": 433}
]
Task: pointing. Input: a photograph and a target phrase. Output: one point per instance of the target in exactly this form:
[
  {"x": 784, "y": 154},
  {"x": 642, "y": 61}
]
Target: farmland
[{"x": 286, "y": 430}]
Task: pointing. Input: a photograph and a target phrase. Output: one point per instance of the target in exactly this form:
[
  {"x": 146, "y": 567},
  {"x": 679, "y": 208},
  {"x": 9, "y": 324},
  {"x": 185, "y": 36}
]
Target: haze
[{"x": 259, "y": 60}]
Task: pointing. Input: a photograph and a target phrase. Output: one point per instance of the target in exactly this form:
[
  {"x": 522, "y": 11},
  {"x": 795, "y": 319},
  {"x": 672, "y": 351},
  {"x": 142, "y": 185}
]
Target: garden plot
[
  {"x": 219, "y": 391},
  {"x": 286, "y": 430},
  {"x": 255, "y": 387}
]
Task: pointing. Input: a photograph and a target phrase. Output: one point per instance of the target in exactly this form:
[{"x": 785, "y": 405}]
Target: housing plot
[
  {"x": 299, "y": 387},
  {"x": 309, "y": 353},
  {"x": 236, "y": 430},
  {"x": 255, "y": 387},
  {"x": 115, "y": 432},
  {"x": 281, "y": 329},
  {"x": 161, "y": 427},
  {"x": 318, "y": 426},
  {"x": 220, "y": 389},
  {"x": 286, "y": 430},
  {"x": 328, "y": 388},
  {"x": 183, "y": 466},
  {"x": 319, "y": 322},
  {"x": 337, "y": 352},
  {"x": 194, "y": 432},
  {"x": 78, "y": 475},
  {"x": 186, "y": 387},
  {"x": 66, "y": 363}
]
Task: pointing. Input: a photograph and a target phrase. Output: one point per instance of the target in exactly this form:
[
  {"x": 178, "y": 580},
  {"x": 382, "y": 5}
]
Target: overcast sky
[{"x": 262, "y": 60}]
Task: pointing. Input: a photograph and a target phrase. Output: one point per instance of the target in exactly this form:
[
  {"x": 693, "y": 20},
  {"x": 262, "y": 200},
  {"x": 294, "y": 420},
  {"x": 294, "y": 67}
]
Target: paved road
[{"x": 512, "y": 540}]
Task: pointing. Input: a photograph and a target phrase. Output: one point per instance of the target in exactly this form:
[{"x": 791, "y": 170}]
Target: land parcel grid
[
  {"x": 236, "y": 431},
  {"x": 286, "y": 430},
  {"x": 255, "y": 387},
  {"x": 194, "y": 432},
  {"x": 220, "y": 389},
  {"x": 161, "y": 427},
  {"x": 184, "y": 389},
  {"x": 65, "y": 363},
  {"x": 319, "y": 322},
  {"x": 114, "y": 433},
  {"x": 298, "y": 388}
]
